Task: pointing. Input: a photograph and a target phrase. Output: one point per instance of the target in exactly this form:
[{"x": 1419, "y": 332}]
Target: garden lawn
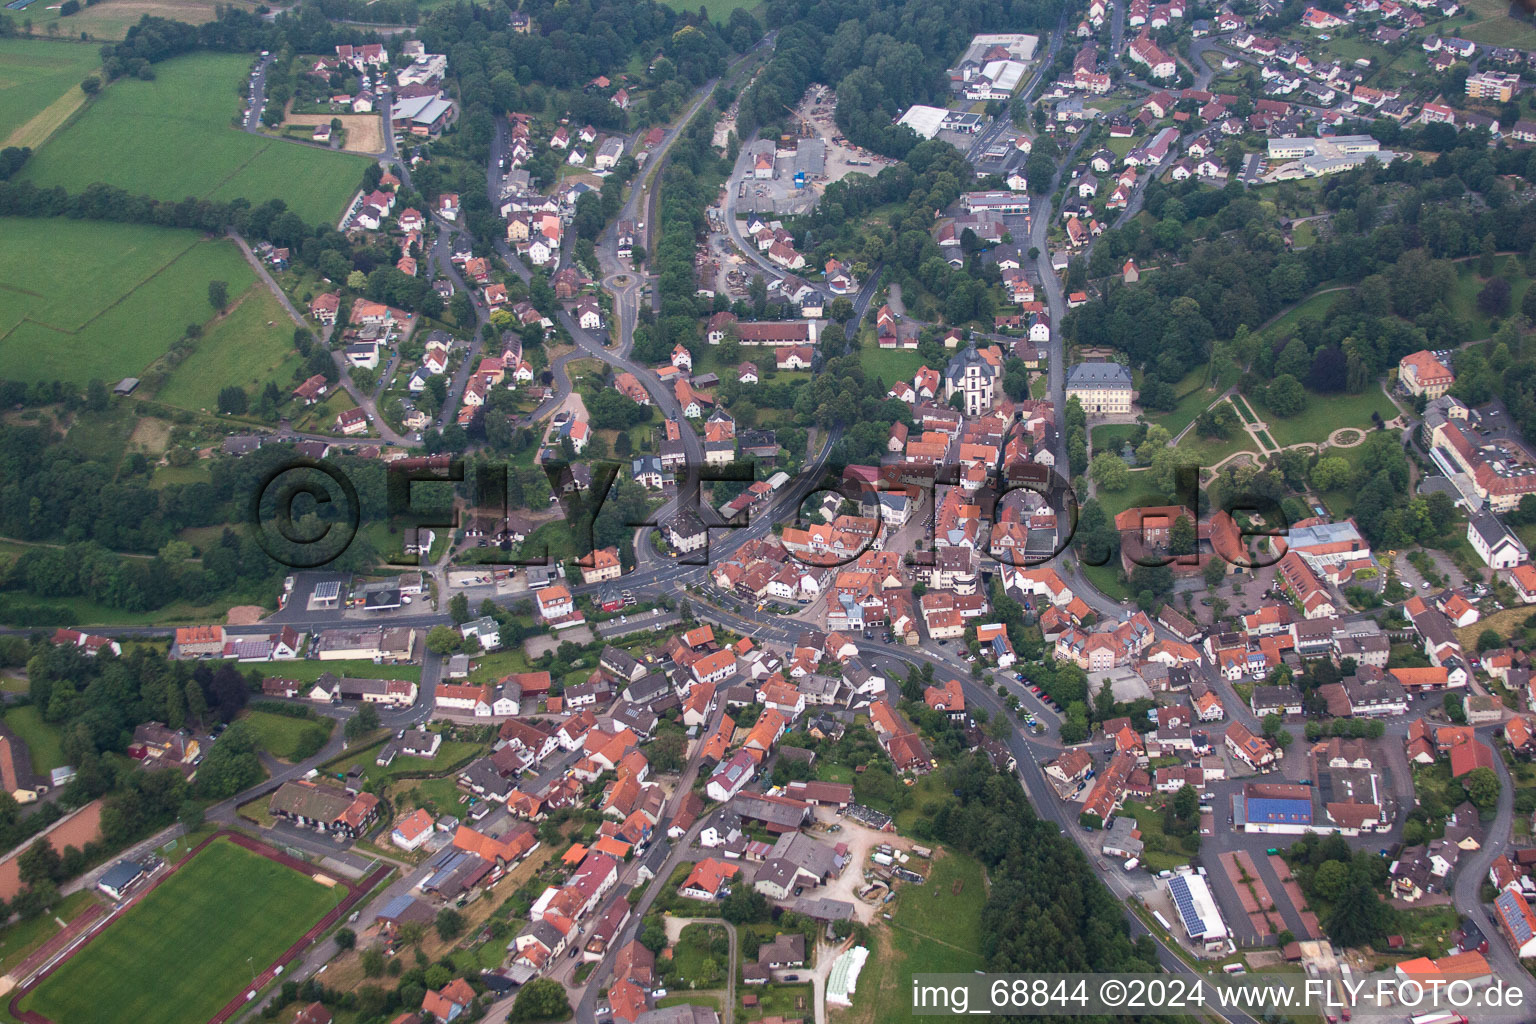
[
  {"x": 172, "y": 138},
  {"x": 43, "y": 740},
  {"x": 240, "y": 349},
  {"x": 1463, "y": 298},
  {"x": 1150, "y": 821},
  {"x": 1111, "y": 437},
  {"x": 1341, "y": 502},
  {"x": 787, "y": 1002},
  {"x": 449, "y": 753},
  {"x": 157, "y": 962},
  {"x": 1326, "y": 413},
  {"x": 1314, "y": 306},
  {"x": 1207, "y": 452},
  {"x": 442, "y": 795},
  {"x": 889, "y": 364},
  {"x": 1434, "y": 783},
  {"x": 280, "y": 735},
  {"x": 1193, "y": 398},
  {"x": 490, "y": 668},
  {"x": 927, "y": 789},
  {"x": 86, "y": 299},
  {"x": 36, "y": 75},
  {"x": 694, "y": 957},
  {"x": 553, "y": 540}
]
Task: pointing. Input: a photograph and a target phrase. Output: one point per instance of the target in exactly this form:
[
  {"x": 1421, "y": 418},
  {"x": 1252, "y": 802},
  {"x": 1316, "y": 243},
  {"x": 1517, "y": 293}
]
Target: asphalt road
[{"x": 258, "y": 95}]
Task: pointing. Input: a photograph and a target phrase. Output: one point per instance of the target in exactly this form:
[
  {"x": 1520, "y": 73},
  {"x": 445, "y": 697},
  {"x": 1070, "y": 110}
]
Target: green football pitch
[{"x": 189, "y": 946}]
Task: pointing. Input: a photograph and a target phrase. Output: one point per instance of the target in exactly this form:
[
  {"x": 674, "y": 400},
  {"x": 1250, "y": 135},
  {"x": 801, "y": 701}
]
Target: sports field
[
  {"x": 172, "y": 138},
  {"x": 189, "y": 946},
  {"x": 88, "y": 299},
  {"x": 36, "y": 75}
]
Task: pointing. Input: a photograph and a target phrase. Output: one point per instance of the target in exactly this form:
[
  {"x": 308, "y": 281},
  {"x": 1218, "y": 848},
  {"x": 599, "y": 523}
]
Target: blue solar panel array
[
  {"x": 1274, "y": 811},
  {"x": 1178, "y": 888},
  {"x": 1509, "y": 910}
]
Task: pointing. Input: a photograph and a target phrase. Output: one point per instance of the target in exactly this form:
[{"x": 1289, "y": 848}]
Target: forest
[
  {"x": 1390, "y": 235},
  {"x": 52, "y": 493},
  {"x": 1045, "y": 910}
]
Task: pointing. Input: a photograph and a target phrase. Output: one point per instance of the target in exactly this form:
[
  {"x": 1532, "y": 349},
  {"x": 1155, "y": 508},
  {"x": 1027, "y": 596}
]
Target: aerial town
[{"x": 521, "y": 511}]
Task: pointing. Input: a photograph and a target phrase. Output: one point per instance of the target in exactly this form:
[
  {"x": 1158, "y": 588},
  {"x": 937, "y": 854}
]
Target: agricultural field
[
  {"x": 1495, "y": 24},
  {"x": 111, "y": 19},
  {"x": 156, "y": 963},
  {"x": 248, "y": 346},
  {"x": 172, "y": 138},
  {"x": 40, "y": 86},
  {"x": 93, "y": 300}
]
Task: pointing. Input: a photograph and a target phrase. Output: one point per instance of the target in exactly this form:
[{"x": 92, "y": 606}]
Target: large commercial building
[
  {"x": 1197, "y": 911},
  {"x": 1312, "y": 158}
]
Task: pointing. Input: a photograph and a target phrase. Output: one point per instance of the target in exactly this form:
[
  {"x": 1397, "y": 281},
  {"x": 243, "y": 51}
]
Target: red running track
[{"x": 355, "y": 892}]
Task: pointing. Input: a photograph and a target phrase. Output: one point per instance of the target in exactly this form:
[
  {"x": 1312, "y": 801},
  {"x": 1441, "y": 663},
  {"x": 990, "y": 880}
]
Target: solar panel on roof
[
  {"x": 1184, "y": 901},
  {"x": 328, "y": 589},
  {"x": 1517, "y": 922}
]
